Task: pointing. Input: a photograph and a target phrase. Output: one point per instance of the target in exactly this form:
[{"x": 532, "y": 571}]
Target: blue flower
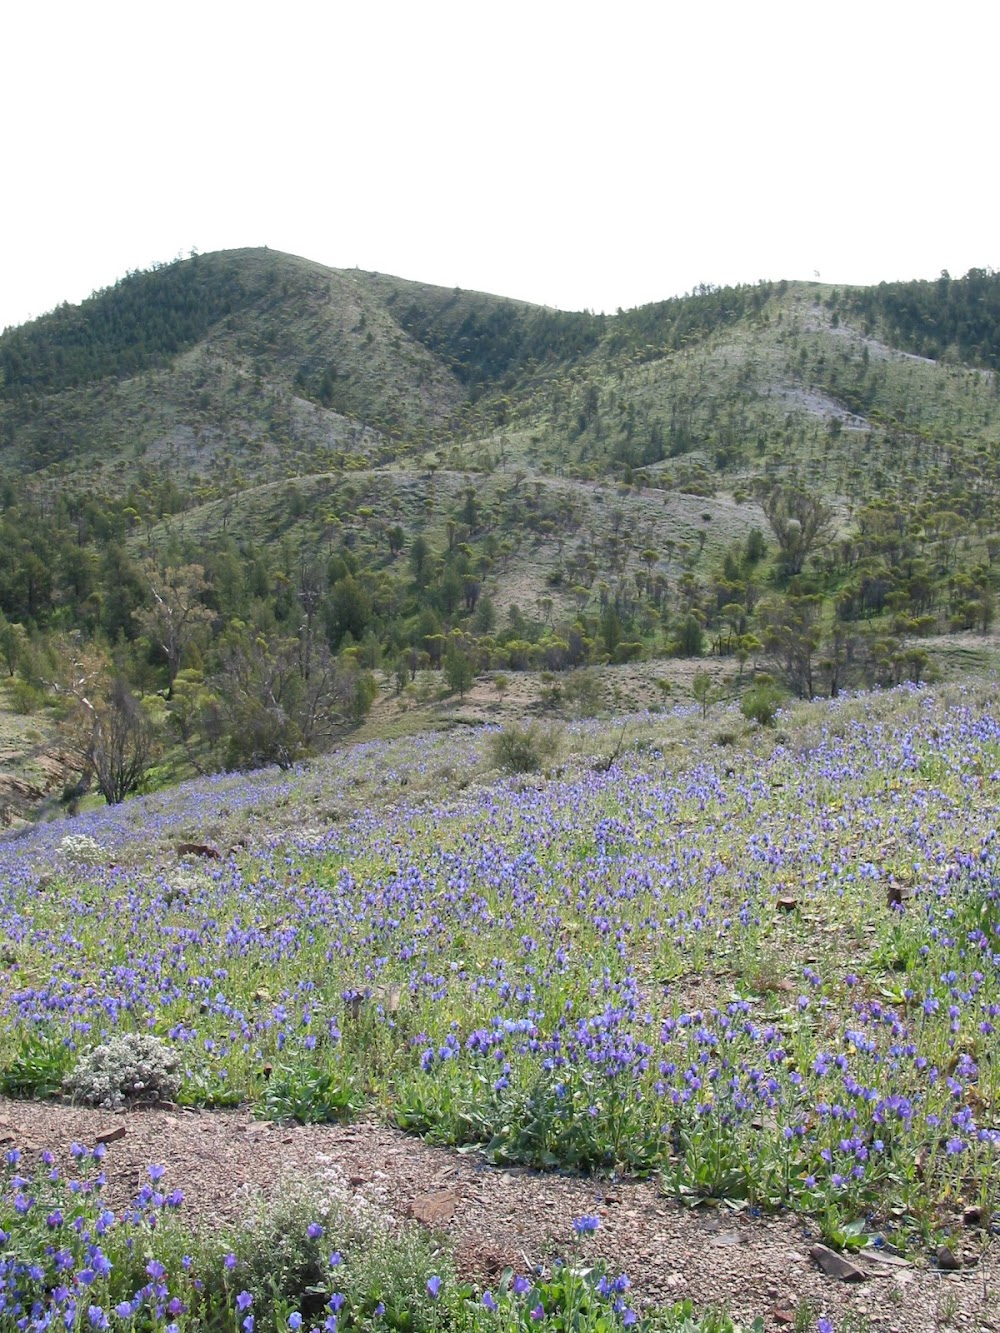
[{"x": 433, "y": 1287}]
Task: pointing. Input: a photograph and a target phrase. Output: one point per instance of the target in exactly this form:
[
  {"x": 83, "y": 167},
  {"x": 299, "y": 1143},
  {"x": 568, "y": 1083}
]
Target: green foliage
[
  {"x": 761, "y": 702},
  {"x": 523, "y": 749},
  {"x": 690, "y": 638},
  {"x": 141, "y": 321},
  {"x": 489, "y": 345},
  {"x": 458, "y": 671},
  {"x": 25, "y": 698},
  {"x": 885, "y": 526},
  {"x": 703, "y": 689},
  {"x": 291, "y": 1261},
  {"x": 310, "y": 1095},
  {"x": 934, "y": 318},
  {"x": 38, "y": 1066}
]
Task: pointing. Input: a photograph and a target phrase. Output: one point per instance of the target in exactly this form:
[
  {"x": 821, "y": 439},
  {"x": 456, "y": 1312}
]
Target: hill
[
  {"x": 376, "y": 478},
  {"x": 637, "y": 914}
]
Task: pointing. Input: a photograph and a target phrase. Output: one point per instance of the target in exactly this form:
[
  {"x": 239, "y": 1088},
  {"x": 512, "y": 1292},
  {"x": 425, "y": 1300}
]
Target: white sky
[{"x": 565, "y": 153}]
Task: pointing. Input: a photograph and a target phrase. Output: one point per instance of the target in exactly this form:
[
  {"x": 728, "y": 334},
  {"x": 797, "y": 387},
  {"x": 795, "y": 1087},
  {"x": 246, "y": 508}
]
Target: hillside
[
  {"x": 414, "y": 695},
  {"x": 729, "y": 998},
  {"x": 377, "y": 479}
]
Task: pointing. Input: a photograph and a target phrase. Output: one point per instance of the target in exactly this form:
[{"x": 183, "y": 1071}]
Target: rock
[
  {"x": 835, "y": 1265},
  {"x": 893, "y": 1260},
  {"x": 972, "y": 1217},
  {"x": 781, "y": 1316},
  {"x": 198, "y": 849},
  {"x": 435, "y": 1209},
  {"x": 787, "y": 904},
  {"x": 111, "y": 1135},
  {"x": 948, "y": 1259}
]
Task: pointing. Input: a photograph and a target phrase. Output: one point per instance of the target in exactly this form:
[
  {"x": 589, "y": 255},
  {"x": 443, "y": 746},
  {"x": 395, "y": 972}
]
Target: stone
[
  {"x": 435, "y": 1209},
  {"x": 199, "y": 849},
  {"x": 835, "y": 1265},
  {"x": 948, "y": 1259},
  {"x": 111, "y": 1135}
]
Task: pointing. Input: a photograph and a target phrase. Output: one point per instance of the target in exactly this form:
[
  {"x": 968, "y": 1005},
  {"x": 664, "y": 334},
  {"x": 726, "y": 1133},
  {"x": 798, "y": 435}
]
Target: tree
[
  {"x": 274, "y": 707},
  {"x": 420, "y": 553},
  {"x": 790, "y": 633},
  {"x": 703, "y": 690},
  {"x": 121, "y": 743},
  {"x": 799, "y": 521},
  {"x": 106, "y": 729},
  {"x": 458, "y": 670},
  {"x": 690, "y": 637},
  {"x": 349, "y": 611},
  {"x": 177, "y": 615},
  {"x": 11, "y": 643}
]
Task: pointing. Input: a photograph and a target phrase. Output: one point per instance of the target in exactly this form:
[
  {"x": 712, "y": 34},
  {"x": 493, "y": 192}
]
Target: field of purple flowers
[{"x": 765, "y": 971}]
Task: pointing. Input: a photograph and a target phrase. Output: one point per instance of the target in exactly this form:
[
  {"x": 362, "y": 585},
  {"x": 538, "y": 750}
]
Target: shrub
[
  {"x": 283, "y": 1250},
  {"x": 133, "y": 1067},
  {"x": 761, "y": 703},
  {"x": 80, "y": 849},
  {"x": 311, "y": 1096},
  {"x": 523, "y": 749},
  {"x": 25, "y": 698}
]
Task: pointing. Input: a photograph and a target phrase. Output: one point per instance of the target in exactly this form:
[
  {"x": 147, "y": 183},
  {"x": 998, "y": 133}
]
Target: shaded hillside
[
  {"x": 957, "y": 317},
  {"x": 143, "y": 320}
]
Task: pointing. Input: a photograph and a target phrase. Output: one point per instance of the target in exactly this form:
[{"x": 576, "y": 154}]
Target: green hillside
[{"x": 245, "y": 500}]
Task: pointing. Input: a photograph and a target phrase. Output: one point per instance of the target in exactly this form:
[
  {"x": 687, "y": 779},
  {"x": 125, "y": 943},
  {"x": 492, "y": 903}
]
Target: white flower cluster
[
  {"x": 80, "y": 848},
  {"x": 133, "y": 1067}
]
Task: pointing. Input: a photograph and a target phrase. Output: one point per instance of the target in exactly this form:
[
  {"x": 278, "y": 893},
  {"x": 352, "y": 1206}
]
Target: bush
[
  {"x": 134, "y": 1067},
  {"x": 761, "y": 703},
  {"x": 25, "y": 698},
  {"x": 523, "y": 749},
  {"x": 284, "y": 1264}
]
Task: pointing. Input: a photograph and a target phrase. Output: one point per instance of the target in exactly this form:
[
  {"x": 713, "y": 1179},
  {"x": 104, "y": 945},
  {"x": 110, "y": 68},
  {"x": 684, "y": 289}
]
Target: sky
[{"x": 575, "y": 155}]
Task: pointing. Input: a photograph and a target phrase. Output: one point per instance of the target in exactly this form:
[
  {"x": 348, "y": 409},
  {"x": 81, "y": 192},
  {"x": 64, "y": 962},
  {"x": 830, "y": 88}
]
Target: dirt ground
[{"x": 495, "y": 1217}]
